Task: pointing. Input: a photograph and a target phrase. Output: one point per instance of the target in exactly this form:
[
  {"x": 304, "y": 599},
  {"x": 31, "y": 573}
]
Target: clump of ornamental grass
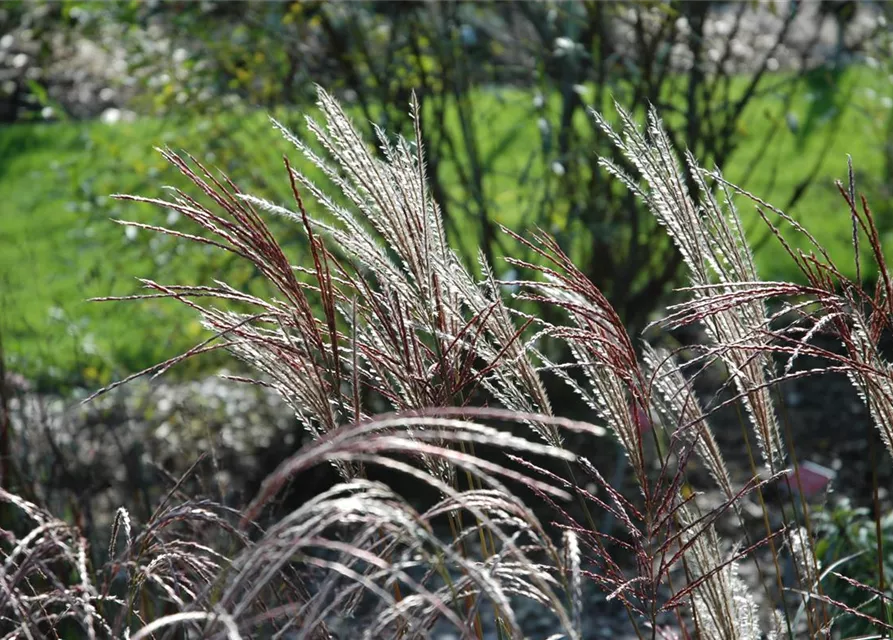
[{"x": 384, "y": 311}]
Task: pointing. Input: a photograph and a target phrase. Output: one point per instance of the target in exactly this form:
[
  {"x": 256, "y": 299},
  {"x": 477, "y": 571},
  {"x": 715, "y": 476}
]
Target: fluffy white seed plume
[
  {"x": 710, "y": 239},
  {"x": 873, "y": 380},
  {"x": 427, "y": 289},
  {"x": 801, "y": 550},
  {"x": 365, "y": 538},
  {"x": 572, "y": 561},
  {"x": 676, "y": 401},
  {"x": 32, "y": 598},
  {"x": 599, "y": 345},
  {"x": 723, "y": 604},
  {"x": 121, "y": 521}
]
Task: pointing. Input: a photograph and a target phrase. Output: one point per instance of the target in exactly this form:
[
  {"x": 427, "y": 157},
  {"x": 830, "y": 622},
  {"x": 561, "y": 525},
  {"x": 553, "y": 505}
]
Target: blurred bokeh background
[{"x": 776, "y": 93}]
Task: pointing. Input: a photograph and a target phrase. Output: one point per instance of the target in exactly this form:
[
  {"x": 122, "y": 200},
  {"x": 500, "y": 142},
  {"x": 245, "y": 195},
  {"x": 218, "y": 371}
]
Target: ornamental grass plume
[
  {"x": 385, "y": 314},
  {"x": 709, "y": 236}
]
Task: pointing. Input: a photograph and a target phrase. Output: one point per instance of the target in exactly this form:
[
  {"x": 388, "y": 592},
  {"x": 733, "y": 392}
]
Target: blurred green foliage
[{"x": 848, "y": 545}]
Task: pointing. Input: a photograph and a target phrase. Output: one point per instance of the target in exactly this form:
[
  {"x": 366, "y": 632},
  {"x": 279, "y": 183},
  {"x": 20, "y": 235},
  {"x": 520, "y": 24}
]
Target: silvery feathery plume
[
  {"x": 808, "y": 571},
  {"x": 365, "y": 538},
  {"x": 280, "y": 336},
  {"x": 872, "y": 378},
  {"x": 676, "y": 401},
  {"x": 417, "y": 285},
  {"x": 857, "y": 315},
  {"x": 598, "y": 342},
  {"x": 32, "y": 599},
  {"x": 386, "y": 304},
  {"x": 831, "y": 302},
  {"x": 723, "y": 604},
  {"x": 801, "y": 550},
  {"x": 710, "y": 239}
]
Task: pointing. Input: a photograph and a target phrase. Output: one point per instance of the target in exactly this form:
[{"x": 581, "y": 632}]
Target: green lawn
[{"x": 58, "y": 246}]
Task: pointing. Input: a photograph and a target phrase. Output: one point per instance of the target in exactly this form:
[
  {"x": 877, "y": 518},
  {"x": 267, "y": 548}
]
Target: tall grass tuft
[{"x": 394, "y": 354}]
